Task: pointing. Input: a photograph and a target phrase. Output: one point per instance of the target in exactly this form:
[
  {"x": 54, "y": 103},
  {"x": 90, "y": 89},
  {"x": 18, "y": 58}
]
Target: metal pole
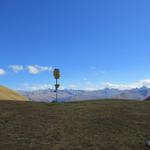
[{"x": 56, "y": 90}]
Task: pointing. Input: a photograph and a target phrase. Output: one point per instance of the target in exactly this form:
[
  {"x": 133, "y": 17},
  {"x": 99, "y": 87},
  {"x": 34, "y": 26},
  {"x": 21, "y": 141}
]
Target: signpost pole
[
  {"x": 56, "y": 91},
  {"x": 56, "y": 74}
]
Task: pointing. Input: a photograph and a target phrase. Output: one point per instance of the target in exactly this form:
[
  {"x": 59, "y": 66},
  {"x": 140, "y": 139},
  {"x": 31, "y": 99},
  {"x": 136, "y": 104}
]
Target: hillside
[
  {"x": 147, "y": 99},
  {"x": 92, "y": 125},
  {"x": 7, "y": 94}
]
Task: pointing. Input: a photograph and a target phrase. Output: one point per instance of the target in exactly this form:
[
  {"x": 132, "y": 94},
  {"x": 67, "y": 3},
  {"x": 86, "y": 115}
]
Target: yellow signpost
[{"x": 56, "y": 74}]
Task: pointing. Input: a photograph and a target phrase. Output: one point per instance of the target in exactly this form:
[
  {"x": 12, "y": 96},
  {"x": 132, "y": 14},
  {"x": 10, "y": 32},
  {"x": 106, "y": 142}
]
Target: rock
[{"x": 147, "y": 143}]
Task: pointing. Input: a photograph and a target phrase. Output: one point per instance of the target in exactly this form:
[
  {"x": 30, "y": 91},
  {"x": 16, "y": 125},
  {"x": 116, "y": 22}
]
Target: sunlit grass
[{"x": 92, "y": 125}]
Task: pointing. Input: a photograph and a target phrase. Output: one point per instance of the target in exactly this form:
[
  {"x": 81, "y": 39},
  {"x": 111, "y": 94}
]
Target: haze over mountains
[{"x": 48, "y": 95}]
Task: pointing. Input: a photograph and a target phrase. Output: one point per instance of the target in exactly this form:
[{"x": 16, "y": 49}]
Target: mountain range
[{"x": 48, "y": 95}]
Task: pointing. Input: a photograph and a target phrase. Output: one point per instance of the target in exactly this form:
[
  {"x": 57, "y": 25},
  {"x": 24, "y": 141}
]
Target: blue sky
[{"x": 94, "y": 43}]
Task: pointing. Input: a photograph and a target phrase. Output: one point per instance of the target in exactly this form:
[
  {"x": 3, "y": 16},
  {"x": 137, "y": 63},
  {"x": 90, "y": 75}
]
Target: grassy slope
[
  {"x": 97, "y": 125},
  {"x": 7, "y": 94},
  {"x": 147, "y": 99}
]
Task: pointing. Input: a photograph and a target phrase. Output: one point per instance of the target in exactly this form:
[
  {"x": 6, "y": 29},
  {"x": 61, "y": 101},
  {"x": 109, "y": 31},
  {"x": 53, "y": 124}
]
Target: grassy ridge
[
  {"x": 97, "y": 125},
  {"x": 7, "y": 94}
]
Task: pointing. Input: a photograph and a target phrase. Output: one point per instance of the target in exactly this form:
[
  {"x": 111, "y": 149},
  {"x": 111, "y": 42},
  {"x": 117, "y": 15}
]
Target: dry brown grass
[
  {"x": 93, "y": 125},
  {"x": 7, "y": 94}
]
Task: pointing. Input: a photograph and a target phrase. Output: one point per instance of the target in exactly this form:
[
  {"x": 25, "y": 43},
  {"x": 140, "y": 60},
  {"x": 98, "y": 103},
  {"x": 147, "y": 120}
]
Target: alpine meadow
[{"x": 74, "y": 75}]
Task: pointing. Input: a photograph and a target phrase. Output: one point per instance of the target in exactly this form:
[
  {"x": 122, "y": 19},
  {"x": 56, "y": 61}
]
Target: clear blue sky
[{"x": 91, "y": 41}]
